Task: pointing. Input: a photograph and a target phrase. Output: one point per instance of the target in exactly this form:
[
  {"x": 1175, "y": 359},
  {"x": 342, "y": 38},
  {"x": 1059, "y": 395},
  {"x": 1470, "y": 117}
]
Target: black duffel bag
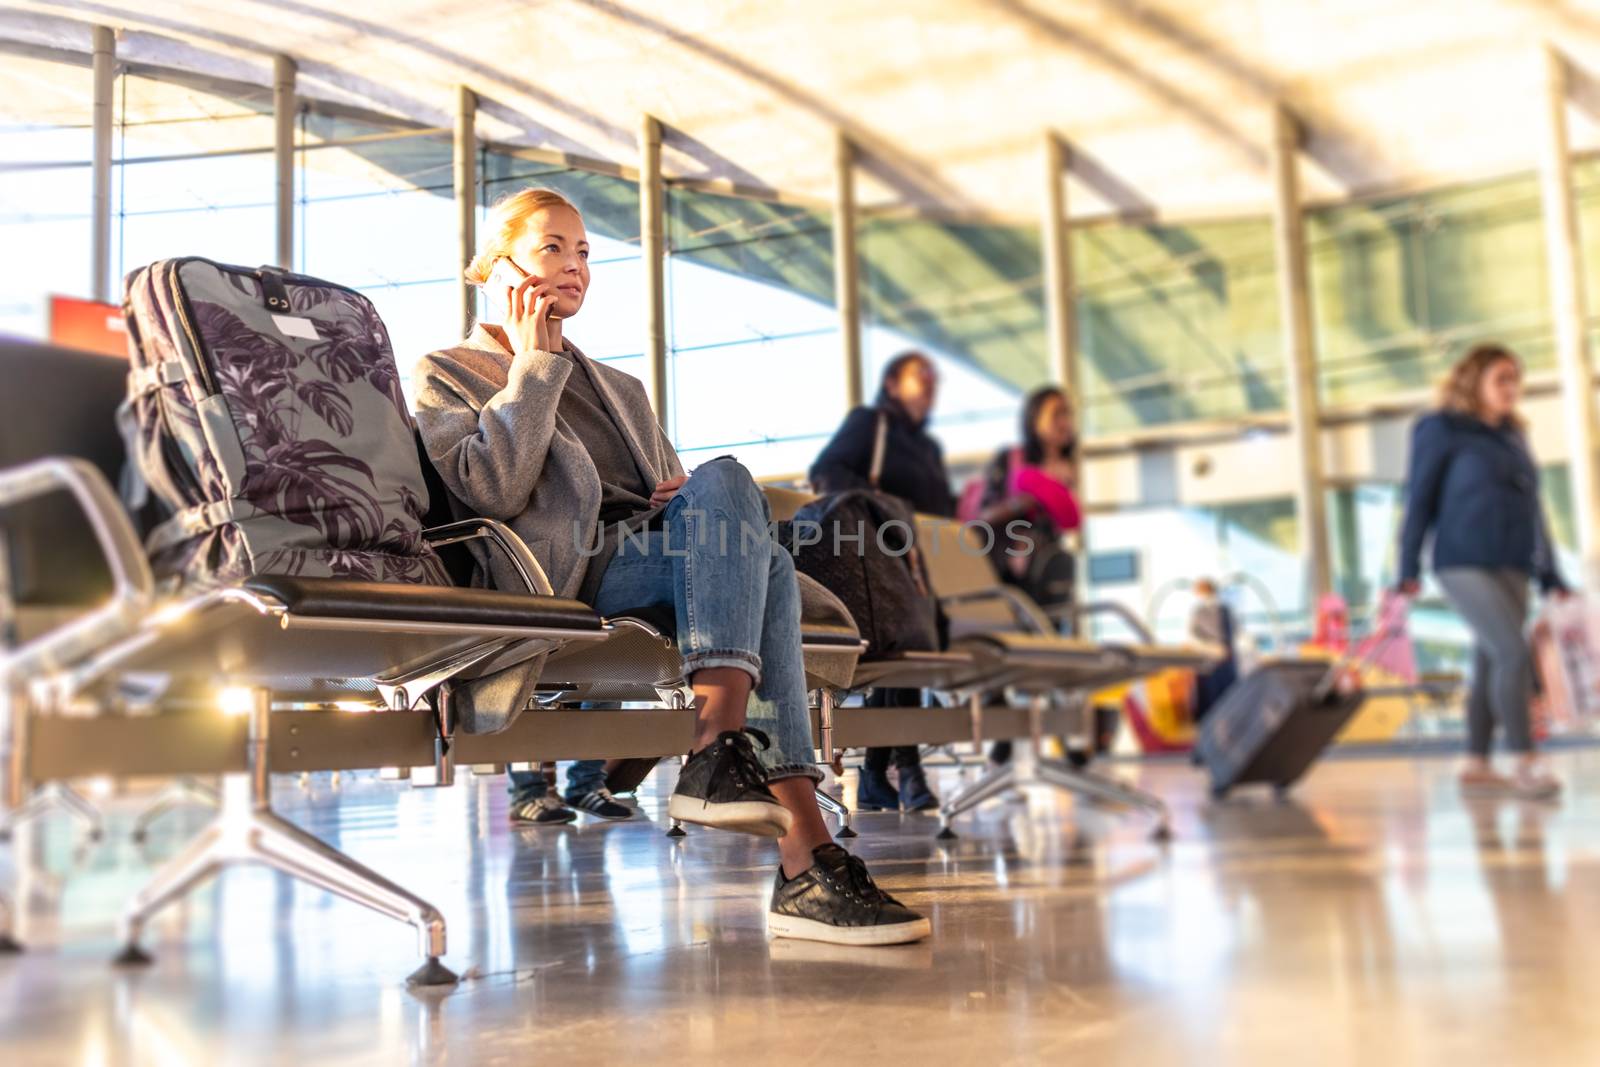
[{"x": 867, "y": 557}]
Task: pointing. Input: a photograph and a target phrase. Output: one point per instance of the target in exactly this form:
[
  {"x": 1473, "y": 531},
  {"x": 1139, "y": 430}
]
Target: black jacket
[
  {"x": 913, "y": 462},
  {"x": 1476, "y": 489}
]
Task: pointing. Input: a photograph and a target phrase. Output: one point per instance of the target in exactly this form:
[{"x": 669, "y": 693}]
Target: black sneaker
[
  {"x": 601, "y": 804},
  {"x": 835, "y": 900},
  {"x": 724, "y": 786},
  {"x": 545, "y": 811}
]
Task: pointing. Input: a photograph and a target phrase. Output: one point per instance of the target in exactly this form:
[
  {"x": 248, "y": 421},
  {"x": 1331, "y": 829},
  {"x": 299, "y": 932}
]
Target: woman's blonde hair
[
  {"x": 1462, "y": 390},
  {"x": 505, "y": 224}
]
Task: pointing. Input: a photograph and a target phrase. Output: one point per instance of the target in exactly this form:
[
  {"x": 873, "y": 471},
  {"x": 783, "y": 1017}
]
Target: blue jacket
[{"x": 1476, "y": 489}]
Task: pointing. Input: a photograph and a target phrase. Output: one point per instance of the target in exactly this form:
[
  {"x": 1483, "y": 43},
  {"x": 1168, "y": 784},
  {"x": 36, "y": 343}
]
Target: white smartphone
[{"x": 509, "y": 275}]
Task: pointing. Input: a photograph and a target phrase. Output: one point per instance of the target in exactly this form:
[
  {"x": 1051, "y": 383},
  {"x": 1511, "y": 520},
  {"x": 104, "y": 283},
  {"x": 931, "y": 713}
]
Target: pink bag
[{"x": 1566, "y": 649}]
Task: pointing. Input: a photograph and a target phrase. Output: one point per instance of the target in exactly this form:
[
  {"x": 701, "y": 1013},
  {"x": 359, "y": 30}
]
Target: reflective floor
[{"x": 1376, "y": 919}]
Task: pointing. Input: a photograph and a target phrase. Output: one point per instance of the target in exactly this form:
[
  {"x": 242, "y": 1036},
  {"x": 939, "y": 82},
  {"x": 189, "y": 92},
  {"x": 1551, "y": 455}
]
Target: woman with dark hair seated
[
  {"x": 1030, "y": 491},
  {"x": 887, "y": 447}
]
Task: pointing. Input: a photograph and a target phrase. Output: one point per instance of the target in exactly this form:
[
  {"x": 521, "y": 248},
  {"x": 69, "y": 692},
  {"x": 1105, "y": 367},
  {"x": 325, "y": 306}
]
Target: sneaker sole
[
  {"x": 860, "y": 936},
  {"x": 606, "y": 818},
  {"x": 755, "y": 817}
]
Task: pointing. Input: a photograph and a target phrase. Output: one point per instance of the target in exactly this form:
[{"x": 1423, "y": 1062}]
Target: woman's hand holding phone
[{"x": 529, "y": 303}]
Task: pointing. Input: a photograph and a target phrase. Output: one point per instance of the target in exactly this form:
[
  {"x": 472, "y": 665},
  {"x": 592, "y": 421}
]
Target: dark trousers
[{"x": 904, "y": 757}]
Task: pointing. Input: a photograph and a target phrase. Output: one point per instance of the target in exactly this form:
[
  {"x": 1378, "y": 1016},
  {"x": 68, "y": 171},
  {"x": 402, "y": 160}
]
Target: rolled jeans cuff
[
  {"x": 705, "y": 659},
  {"x": 795, "y": 770}
]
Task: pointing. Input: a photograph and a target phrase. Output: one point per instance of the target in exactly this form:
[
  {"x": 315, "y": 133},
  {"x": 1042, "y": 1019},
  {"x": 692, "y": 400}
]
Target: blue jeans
[
  {"x": 734, "y": 597},
  {"x": 583, "y": 776}
]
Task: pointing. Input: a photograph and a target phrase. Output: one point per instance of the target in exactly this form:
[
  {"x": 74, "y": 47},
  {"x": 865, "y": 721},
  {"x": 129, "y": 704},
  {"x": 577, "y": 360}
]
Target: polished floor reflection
[{"x": 1376, "y": 919}]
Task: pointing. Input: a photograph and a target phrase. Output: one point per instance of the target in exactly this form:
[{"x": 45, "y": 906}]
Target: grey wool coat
[{"x": 489, "y": 422}]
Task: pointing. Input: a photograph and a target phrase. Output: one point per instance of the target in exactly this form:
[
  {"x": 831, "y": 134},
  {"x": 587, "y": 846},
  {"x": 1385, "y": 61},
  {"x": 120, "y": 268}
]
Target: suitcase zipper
[
  {"x": 179, "y": 478},
  {"x": 202, "y": 360}
]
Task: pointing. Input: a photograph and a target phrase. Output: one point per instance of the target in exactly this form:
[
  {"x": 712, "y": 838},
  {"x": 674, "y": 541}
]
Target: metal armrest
[
  {"x": 503, "y": 537},
  {"x": 1121, "y": 611},
  {"x": 133, "y": 587},
  {"x": 1028, "y": 614}
]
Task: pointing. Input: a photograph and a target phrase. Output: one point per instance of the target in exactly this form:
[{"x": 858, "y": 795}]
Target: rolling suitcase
[{"x": 1271, "y": 725}]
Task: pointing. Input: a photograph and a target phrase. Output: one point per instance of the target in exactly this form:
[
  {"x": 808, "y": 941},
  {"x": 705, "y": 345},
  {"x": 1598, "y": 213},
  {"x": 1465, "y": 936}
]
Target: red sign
[{"x": 88, "y": 325}]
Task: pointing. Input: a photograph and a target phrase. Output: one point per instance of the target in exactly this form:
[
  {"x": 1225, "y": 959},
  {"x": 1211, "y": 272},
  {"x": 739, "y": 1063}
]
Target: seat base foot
[
  {"x": 9, "y": 946},
  {"x": 676, "y": 832},
  {"x": 432, "y": 973},
  {"x": 133, "y": 956},
  {"x": 946, "y": 834},
  {"x": 846, "y": 832}
]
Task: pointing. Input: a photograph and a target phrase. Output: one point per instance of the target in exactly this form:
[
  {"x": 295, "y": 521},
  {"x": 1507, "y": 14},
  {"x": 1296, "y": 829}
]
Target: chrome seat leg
[
  {"x": 185, "y": 790},
  {"x": 991, "y": 784},
  {"x": 246, "y": 830},
  {"x": 835, "y": 806},
  {"x": 54, "y": 796},
  {"x": 1098, "y": 787}
]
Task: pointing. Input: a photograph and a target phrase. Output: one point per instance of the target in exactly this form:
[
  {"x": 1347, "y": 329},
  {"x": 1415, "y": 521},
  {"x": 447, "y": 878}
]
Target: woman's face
[
  {"x": 1500, "y": 390},
  {"x": 554, "y": 248},
  {"x": 1053, "y": 425},
  {"x": 916, "y": 387}
]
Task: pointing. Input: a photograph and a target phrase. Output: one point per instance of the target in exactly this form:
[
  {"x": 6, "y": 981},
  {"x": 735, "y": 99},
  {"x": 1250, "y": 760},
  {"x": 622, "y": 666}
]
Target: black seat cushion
[
  {"x": 344, "y": 598},
  {"x": 662, "y": 618}
]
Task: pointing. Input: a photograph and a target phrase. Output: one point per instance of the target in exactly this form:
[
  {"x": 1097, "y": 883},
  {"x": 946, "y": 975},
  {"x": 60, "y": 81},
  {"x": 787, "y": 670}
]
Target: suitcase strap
[
  {"x": 142, "y": 380},
  {"x": 193, "y": 521}
]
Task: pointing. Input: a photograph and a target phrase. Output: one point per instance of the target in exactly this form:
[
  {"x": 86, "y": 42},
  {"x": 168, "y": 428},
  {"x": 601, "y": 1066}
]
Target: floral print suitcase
[{"x": 265, "y": 415}]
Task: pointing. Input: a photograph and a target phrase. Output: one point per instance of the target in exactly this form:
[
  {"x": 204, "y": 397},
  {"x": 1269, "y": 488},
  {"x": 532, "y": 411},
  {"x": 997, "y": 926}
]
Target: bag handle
[
  {"x": 879, "y": 442},
  {"x": 1391, "y": 625}
]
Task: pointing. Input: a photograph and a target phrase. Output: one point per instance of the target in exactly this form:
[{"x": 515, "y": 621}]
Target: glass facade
[
  {"x": 751, "y": 317},
  {"x": 1178, "y": 322},
  {"x": 971, "y": 298},
  {"x": 375, "y": 210},
  {"x": 45, "y": 188},
  {"x": 1401, "y": 286},
  {"x": 191, "y": 174}
]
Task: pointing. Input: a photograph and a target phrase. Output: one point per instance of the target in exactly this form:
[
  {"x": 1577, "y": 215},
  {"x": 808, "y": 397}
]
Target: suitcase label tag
[{"x": 296, "y": 326}]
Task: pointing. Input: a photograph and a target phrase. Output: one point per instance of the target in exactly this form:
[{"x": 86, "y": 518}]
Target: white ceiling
[{"x": 1166, "y": 104}]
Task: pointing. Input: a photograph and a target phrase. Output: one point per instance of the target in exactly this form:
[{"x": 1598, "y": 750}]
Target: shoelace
[
  {"x": 737, "y": 756},
  {"x": 859, "y": 884}
]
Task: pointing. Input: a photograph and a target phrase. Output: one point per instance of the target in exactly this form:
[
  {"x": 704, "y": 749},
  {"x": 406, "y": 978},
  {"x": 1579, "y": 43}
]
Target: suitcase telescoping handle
[{"x": 1391, "y": 624}]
